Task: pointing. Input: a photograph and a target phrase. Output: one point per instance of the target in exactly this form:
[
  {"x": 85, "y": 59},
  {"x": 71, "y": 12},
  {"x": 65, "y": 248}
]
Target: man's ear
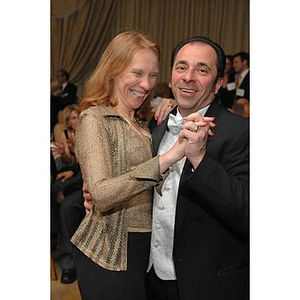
[{"x": 218, "y": 84}]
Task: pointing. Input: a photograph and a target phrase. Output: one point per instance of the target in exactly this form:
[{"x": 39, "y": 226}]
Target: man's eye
[
  {"x": 180, "y": 68},
  {"x": 202, "y": 71}
]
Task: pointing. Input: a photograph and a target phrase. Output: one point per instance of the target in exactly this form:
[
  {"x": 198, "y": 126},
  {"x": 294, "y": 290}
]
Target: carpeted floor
[{"x": 61, "y": 291}]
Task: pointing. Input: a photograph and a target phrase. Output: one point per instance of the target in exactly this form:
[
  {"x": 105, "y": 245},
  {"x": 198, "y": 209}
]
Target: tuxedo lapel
[
  {"x": 181, "y": 204},
  {"x": 213, "y": 109},
  {"x": 157, "y": 135},
  {"x": 211, "y": 112}
]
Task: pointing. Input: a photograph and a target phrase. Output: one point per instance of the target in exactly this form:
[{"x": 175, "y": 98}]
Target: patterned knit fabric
[{"x": 117, "y": 165}]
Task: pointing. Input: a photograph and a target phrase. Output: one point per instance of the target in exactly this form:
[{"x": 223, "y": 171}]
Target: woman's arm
[{"x": 94, "y": 153}]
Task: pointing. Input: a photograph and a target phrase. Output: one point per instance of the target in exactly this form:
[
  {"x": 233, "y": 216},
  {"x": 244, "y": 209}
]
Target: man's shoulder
[
  {"x": 71, "y": 85},
  {"x": 231, "y": 121}
]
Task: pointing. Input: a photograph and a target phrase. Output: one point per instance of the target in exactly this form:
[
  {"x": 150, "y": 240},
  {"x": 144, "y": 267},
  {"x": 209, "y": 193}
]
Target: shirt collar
[
  {"x": 244, "y": 73},
  {"x": 64, "y": 85},
  {"x": 201, "y": 111}
]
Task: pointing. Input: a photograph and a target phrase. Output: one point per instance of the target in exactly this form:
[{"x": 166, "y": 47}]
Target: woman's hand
[
  {"x": 57, "y": 150},
  {"x": 163, "y": 108},
  {"x": 88, "y": 204},
  {"x": 175, "y": 154}
]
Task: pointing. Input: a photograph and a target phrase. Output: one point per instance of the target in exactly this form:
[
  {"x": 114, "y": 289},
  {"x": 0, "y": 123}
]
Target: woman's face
[
  {"x": 73, "y": 119},
  {"x": 132, "y": 86},
  {"x": 228, "y": 65}
]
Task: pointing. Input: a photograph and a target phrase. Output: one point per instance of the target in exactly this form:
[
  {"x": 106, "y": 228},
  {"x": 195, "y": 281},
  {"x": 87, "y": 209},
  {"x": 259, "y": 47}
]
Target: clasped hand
[{"x": 196, "y": 130}]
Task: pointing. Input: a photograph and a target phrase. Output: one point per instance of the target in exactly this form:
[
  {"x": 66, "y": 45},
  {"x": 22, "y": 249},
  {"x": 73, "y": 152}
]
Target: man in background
[
  {"x": 64, "y": 95},
  {"x": 241, "y": 68}
]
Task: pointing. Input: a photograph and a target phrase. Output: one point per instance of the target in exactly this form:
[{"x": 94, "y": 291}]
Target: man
[
  {"x": 71, "y": 214},
  {"x": 199, "y": 247},
  {"x": 241, "y": 68},
  {"x": 200, "y": 227},
  {"x": 66, "y": 95},
  {"x": 67, "y": 211}
]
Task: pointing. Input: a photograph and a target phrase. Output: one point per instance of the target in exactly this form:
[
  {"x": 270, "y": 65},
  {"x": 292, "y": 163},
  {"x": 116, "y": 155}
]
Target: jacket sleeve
[
  {"x": 94, "y": 153},
  {"x": 221, "y": 187}
]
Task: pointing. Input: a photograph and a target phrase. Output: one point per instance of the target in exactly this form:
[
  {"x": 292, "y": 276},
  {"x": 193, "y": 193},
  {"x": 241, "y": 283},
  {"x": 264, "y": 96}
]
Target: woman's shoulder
[{"x": 99, "y": 111}]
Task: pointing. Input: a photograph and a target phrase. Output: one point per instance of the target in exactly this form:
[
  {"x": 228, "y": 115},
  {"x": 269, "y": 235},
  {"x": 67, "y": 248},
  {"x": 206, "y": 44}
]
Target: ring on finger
[
  {"x": 196, "y": 128},
  {"x": 170, "y": 106}
]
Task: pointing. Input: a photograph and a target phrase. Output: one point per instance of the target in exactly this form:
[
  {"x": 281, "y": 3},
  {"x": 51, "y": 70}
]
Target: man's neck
[{"x": 185, "y": 112}]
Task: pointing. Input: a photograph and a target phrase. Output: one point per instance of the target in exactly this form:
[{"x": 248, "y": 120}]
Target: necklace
[
  {"x": 127, "y": 118},
  {"x": 134, "y": 124}
]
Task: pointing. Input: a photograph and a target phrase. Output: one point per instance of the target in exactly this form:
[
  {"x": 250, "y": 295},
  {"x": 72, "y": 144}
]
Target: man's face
[
  {"x": 238, "y": 65},
  {"x": 193, "y": 76},
  {"x": 60, "y": 78}
]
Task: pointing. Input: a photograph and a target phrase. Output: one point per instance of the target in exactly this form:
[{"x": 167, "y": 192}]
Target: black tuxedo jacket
[
  {"x": 245, "y": 85},
  {"x": 58, "y": 103},
  {"x": 70, "y": 92},
  {"x": 212, "y": 226}
]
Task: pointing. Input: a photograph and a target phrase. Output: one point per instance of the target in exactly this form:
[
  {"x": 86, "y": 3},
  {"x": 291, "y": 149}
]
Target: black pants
[
  {"x": 97, "y": 283},
  {"x": 158, "y": 289},
  {"x": 71, "y": 213},
  {"x": 57, "y": 186}
]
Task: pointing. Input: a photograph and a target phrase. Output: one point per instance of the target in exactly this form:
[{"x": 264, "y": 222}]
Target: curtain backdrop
[{"x": 81, "y": 29}]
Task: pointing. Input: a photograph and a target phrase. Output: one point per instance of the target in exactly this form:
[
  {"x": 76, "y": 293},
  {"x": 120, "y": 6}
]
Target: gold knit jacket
[{"x": 117, "y": 165}]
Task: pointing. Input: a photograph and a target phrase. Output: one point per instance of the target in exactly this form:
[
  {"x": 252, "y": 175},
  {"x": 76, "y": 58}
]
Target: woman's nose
[{"x": 145, "y": 83}]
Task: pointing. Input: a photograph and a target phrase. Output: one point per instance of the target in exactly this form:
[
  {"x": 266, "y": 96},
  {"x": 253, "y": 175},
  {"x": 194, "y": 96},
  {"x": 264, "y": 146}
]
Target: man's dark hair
[
  {"x": 244, "y": 56},
  {"x": 221, "y": 59},
  {"x": 64, "y": 73}
]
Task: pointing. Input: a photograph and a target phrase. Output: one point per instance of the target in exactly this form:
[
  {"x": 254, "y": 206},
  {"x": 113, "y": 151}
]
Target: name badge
[
  {"x": 231, "y": 86},
  {"x": 240, "y": 92}
]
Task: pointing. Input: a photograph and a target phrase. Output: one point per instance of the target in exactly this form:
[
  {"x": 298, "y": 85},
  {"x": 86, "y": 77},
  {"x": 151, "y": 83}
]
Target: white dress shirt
[
  {"x": 63, "y": 86},
  {"x": 243, "y": 75},
  {"x": 164, "y": 209}
]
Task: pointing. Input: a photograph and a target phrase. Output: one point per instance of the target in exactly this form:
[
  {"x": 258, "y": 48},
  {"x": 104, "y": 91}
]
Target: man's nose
[{"x": 189, "y": 75}]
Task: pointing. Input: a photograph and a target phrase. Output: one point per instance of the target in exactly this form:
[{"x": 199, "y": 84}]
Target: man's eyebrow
[
  {"x": 202, "y": 64},
  {"x": 199, "y": 64},
  {"x": 184, "y": 62}
]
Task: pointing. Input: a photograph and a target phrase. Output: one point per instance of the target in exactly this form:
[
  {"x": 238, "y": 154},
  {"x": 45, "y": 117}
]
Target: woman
[
  {"x": 227, "y": 90},
  {"x": 64, "y": 151},
  {"x": 65, "y": 162},
  {"x": 114, "y": 151}
]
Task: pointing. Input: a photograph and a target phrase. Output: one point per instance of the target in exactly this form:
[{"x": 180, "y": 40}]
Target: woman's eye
[{"x": 137, "y": 73}]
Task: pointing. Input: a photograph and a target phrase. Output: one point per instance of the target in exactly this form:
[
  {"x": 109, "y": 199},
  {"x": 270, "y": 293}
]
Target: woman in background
[
  {"x": 63, "y": 151},
  {"x": 227, "y": 90}
]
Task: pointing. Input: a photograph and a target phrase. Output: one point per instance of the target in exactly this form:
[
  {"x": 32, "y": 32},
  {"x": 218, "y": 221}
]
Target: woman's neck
[{"x": 125, "y": 112}]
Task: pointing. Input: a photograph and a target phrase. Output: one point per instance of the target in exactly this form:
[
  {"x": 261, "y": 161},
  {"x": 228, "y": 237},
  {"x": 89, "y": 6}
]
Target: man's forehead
[{"x": 196, "y": 51}]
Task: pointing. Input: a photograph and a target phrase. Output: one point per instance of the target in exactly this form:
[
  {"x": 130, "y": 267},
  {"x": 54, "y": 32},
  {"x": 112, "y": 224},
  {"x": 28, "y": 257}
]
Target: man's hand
[
  {"x": 60, "y": 197},
  {"x": 65, "y": 175},
  {"x": 196, "y": 130},
  {"x": 88, "y": 204}
]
